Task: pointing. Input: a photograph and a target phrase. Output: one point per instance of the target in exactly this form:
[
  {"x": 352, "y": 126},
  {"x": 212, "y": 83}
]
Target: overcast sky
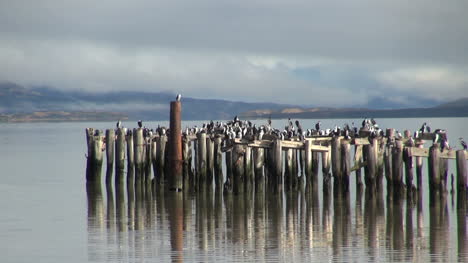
[{"x": 306, "y": 52}]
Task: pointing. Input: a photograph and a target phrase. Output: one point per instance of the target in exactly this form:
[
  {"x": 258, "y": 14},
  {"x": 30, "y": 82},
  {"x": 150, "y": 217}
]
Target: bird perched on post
[
  {"x": 140, "y": 123},
  {"x": 118, "y": 124},
  {"x": 463, "y": 143},
  {"x": 178, "y": 97}
]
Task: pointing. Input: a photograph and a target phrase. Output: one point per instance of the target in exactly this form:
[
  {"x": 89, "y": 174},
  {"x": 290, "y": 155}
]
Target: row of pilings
[{"x": 237, "y": 164}]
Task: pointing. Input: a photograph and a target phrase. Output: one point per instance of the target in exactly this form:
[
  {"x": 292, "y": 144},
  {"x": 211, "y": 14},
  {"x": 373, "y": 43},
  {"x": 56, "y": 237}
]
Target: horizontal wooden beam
[{"x": 424, "y": 152}]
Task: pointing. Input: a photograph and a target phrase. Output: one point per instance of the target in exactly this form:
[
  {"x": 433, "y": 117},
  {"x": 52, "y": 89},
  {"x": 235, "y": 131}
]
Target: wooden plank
[
  {"x": 357, "y": 166},
  {"x": 360, "y": 141},
  {"x": 424, "y": 152}
]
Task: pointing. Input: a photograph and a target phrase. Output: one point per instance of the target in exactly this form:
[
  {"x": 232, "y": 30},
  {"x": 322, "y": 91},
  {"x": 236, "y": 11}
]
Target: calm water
[{"x": 49, "y": 216}]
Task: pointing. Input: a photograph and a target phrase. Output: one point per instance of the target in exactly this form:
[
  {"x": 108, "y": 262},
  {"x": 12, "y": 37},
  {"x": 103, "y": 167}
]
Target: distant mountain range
[
  {"x": 18, "y": 103},
  {"x": 457, "y": 108}
]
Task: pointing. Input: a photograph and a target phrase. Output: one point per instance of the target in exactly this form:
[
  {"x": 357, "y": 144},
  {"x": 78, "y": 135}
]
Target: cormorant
[
  {"x": 140, "y": 123},
  {"x": 463, "y": 143},
  {"x": 178, "y": 97},
  {"x": 118, "y": 124}
]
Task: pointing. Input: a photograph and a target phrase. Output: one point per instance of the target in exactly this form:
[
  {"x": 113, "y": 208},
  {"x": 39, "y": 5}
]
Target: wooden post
[
  {"x": 119, "y": 155},
  {"x": 419, "y": 168},
  {"x": 154, "y": 156},
  {"x": 390, "y": 134},
  {"x": 139, "y": 151},
  {"x": 345, "y": 163},
  {"x": 358, "y": 160},
  {"x": 326, "y": 172},
  {"x": 336, "y": 158},
  {"x": 308, "y": 160},
  {"x": 288, "y": 167},
  {"x": 186, "y": 167},
  {"x": 201, "y": 156},
  {"x": 408, "y": 159},
  {"x": 249, "y": 176},
  {"x": 209, "y": 160},
  {"x": 218, "y": 161},
  {"x": 370, "y": 168},
  {"x": 130, "y": 154},
  {"x": 175, "y": 146},
  {"x": 147, "y": 161},
  {"x": 160, "y": 177},
  {"x": 229, "y": 175},
  {"x": 277, "y": 161},
  {"x": 315, "y": 166},
  {"x": 238, "y": 153},
  {"x": 259, "y": 161},
  {"x": 434, "y": 169},
  {"x": 397, "y": 164},
  {"x": 95, "y": 156},
  {"x": 462, "y": 174},
  {"x": 443, "y": 174},
  {"x": 379, "y": 148},
  {"x": 110, "y": 137}
]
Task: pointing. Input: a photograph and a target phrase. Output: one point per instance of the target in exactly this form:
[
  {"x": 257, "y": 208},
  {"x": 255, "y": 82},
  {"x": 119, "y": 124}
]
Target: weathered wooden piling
[
  {"x": 186, "y": 156},
  {"x": 358, "y": 160},
  {"x": 277, "y": 161},
  {"x": 462, "y": 174},
  {"x": 238, "y": 168},
  {"x": 147, "y": 161},
  {"x": 119, "y": 155},
  {"x": 160, "y": 177},
  {"x": 218, "y": 161},
  {"x": 308, "y": 160},
  {"x": 259, "y": 162},
  {"x": 345, "y": 163},
  {"x": 154, "y": 155},
  {"x": 326, "y": 171},
  {"x": 434, "y": 168},
  {"x": 390, "y": 135},
  {"x": 130, "y": 153},
  {"x": 249, "y": 175},
  {"x": 419, "y": 168},
  {"x": 201, "y": 157},
  {"x": 229, "y": 172},
  {"x": 370, "y": 168},
  {"x": 397, "y": 164},
  {"x": 288, "y": 167},
  {"x": 110, "y": 137},
  {"x": 408, "y": 160},
  {"x": 95, "y": 155},
  {"x": 336, "y": 158},
  {"x": 139, "y": 151},
  {"x": 209, "y": 160},
  {"x": 175, "y": 146}
]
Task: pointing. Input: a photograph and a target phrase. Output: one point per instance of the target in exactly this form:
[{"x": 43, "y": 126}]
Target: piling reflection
[{"x": 134, "y": 222}]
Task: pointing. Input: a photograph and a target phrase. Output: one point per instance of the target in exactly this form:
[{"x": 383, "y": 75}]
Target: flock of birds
[
  {"x": 246, "y": 129},
  {"x": 240, "y": 129},
  {"x": 292, "y": 131}
]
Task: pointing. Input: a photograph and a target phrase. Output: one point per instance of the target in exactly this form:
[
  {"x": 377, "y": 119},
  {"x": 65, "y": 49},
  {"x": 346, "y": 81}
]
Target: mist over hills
[{"x": 16, "y": 100}]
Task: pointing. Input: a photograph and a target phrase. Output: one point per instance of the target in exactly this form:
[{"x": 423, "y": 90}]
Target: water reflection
[{"x": 135, "y": 222}]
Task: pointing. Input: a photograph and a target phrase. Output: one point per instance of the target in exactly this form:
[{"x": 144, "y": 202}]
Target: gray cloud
[{"x": 246, "y": 50}]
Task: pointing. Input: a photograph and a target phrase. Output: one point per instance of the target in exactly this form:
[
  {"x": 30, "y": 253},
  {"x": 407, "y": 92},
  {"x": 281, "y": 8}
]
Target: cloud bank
[{"x": 325, "y": 53}]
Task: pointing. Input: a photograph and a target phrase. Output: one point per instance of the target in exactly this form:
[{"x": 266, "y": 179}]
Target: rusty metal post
[{"x": 175, "y": 147}]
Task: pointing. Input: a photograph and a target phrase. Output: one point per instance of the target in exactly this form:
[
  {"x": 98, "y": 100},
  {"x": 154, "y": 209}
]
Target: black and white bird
[
  {"x": 118, "y": 124},
  {"x": 178, "y": 97},
  {"x": 140, "y": 123},
  {"x": 317, "y": 126},
  {"x": 423, "y": 128},
  {"x": 463, "y": 144}
]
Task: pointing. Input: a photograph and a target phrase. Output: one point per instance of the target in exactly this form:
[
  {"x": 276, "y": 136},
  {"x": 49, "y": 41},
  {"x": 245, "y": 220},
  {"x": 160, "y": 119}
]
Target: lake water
[{"x": 49, "y": 216}]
